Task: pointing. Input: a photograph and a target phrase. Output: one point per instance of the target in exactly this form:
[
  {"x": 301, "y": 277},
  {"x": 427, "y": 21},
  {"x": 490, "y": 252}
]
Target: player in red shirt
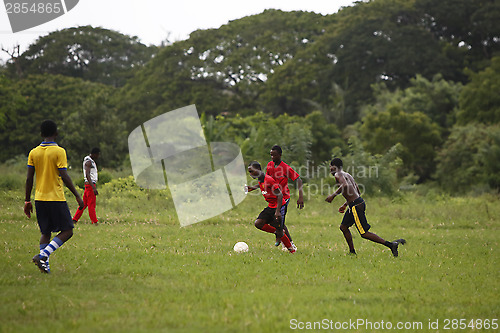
[
  {"x": 281, "y": 172},
  {"x": 270, "y": 219}
]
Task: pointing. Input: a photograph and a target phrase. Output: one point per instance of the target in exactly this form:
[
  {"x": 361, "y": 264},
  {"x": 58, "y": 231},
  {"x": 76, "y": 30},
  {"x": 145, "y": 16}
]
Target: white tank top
[{"x": 93, "y": 170}]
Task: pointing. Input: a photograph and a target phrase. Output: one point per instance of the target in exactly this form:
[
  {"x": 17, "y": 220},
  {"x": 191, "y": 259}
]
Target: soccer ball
[{"x": 240, "y": 247}]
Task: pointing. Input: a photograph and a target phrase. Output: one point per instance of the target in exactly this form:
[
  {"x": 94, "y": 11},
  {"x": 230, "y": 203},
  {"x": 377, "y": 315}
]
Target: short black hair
[
  {"x": 278, "y": 149},
  {"x": 95, "y": 150},
  {"x": 48, "y": 128},
  {"x": 337, "y": 162},
  {"x": 255, "y": 165}
]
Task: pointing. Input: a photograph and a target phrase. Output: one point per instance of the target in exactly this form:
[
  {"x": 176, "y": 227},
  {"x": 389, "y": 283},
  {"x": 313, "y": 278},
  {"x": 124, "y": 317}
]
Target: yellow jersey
[{"x": 47, "y": 159}]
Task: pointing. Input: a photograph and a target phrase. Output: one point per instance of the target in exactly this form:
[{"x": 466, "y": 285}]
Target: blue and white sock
[
  {"x": 42, "y": 246},
  {"x": 51, "y": 247}
]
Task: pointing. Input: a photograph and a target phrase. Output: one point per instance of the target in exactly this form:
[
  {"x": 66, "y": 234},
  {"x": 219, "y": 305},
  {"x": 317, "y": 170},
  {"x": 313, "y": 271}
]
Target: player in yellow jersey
[{"x": 48, "y": 161}]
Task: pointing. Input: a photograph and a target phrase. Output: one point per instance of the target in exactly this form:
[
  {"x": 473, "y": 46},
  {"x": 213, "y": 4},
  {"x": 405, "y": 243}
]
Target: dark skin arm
[
  {"x": 300, "y": 200},
  {"x": 334, "y": 194},
  {"x": 28, "y": 206},
  {"x": 69, "y": 184},
  {"x": 343, "y": 185}
]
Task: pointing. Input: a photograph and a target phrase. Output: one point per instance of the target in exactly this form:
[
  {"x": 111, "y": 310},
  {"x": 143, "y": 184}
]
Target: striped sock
[
  {"x": 42, "y": 246},
  {"x": 51, "y": 247}
]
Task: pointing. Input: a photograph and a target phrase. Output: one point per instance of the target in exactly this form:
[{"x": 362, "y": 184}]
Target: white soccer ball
[{"x": 240, "y": 247}]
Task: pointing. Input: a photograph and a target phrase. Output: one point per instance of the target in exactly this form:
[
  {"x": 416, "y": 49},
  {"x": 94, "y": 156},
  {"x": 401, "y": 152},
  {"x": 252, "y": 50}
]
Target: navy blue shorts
[
  {"x": 53, "y": 216},
  {"x": 268, "y": 216},
  {"x": 356, "y": 215}
]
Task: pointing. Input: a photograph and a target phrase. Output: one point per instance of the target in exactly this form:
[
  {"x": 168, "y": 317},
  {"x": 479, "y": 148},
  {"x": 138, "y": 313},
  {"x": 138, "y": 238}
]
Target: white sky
[{"x": 153, "y": 21}]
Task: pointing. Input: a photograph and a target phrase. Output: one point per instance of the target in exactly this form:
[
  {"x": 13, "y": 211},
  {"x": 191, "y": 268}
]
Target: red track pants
[{"x": 89, "y": 200}]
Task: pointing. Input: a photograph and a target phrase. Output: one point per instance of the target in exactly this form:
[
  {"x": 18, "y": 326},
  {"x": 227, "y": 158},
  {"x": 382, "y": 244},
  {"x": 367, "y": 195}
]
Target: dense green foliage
[
  {"x": 80, "y": 108},
  {"x": 404, "y": 77},
  {"x": 469, "y": 158},
  {"x": 477, "y": 103}
]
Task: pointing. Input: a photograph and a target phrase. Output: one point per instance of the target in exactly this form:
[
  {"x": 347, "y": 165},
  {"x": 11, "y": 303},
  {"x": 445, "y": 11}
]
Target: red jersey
[
  {"x": 267, "y": 188},
  {"x": 281, "y": 173}
]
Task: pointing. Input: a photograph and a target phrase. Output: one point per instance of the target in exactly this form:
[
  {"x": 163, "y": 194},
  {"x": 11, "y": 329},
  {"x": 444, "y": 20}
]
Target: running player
[
  {"x": 356, "y": 212},
  {"x": 271, "y": 219},
  {"x": 281, "y": 172}
]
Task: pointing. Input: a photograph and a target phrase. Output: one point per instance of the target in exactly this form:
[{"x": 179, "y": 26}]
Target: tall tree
[
  {"x": 468, "y": 25},
  {"x": 418, "y": 135},
  {"x": 470, "y": 158},
  {"x": 80, "y": 108},
  {"x": 219, "y": 70},
  {"x": 94, "y": 54},
  {"x": 95, "y": 123},
  {"x": 437, "y": 98},
  {"x": 388, "y": 41},
  {"x": 480, "y": 98},
  {"x": 10, "y": 101}
]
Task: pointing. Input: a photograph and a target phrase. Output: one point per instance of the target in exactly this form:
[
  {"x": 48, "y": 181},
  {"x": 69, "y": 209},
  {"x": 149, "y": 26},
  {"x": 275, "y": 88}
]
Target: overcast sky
[{"x": 153, "y": 21}]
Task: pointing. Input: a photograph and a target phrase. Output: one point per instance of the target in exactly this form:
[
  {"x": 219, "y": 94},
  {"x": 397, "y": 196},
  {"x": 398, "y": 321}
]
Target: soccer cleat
[
  {"x": 400, "y": 241},
  {"x": 278, "y": 242},
  {"x": 42, "y": 263},
  {"x": 395, "y": 244},
  {"x": 291, "y": 249},
  {"x": 394, "y": 249},
  {"x": 285, "y": 248}
]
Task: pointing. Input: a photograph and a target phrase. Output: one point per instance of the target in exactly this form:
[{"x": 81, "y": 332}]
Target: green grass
[{"x": 138, "y": 271}]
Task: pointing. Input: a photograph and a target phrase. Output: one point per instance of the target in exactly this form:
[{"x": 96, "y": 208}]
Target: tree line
[{"x": 411, "y": 85}]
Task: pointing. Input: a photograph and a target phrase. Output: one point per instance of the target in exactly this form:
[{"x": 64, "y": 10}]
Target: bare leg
[
  {"x": 373, "y": 237},
  {"x": 65, "y": 235},
  {"x": 377, "y": 239},
  {"x": 348, "y": 238},
  {"x": 45, "y": 239}
]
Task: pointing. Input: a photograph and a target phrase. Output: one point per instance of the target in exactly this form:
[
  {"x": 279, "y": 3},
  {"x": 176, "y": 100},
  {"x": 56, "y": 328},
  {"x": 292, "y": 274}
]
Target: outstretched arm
[{"x": 332, "y": 196}]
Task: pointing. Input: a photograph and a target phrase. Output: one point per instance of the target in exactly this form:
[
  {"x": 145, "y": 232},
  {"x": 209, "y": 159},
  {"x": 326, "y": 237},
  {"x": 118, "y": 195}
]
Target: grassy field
[{"x": 138, "y": 271}]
